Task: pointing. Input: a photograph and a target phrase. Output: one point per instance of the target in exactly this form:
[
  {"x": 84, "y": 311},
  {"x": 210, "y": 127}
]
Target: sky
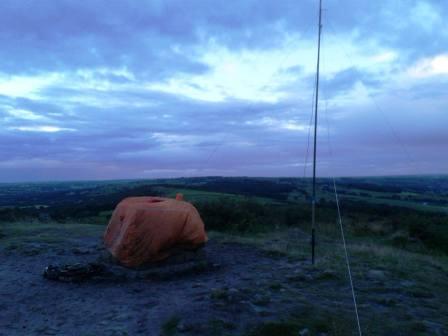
[{"x": 146, "y": 89}]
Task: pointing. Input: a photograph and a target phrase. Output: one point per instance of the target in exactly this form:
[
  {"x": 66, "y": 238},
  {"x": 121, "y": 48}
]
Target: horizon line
[{"x": 220, "y": 176}]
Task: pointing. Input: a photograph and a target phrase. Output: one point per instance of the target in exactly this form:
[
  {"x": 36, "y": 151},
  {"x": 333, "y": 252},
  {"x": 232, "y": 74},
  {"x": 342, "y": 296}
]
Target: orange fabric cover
[{"x": 145, "y": 229}]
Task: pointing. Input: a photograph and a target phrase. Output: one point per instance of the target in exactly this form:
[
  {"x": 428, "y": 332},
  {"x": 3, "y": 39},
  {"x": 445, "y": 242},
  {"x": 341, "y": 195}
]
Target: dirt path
[{"x": 235, "y": 289}]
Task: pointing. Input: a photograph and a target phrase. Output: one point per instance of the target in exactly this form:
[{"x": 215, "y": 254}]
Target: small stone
[
  {"x": 233, "y": 294},
  {"x": 264, "y": 313},
  {"x": 304, "y": 332},
  {"x": 233, "y": 291},
  {"x": 260, "y": 311},
  {"x": 407, "y": 283},
  {"x": 183, "y": 327},
  {"x": 80, "y": 251},
  {"x": 376, "y": 275},
  {"x": 261, "y": 300}
]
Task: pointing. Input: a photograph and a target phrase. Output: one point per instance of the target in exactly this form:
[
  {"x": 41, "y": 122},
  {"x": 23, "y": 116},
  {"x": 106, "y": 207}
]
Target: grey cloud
[
  {"x": 156, "y": 40},
  {"x": 346, "y": 79}
]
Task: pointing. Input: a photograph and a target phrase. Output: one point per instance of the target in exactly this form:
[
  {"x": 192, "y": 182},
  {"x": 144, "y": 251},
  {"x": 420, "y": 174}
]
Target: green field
[{"x": 410, "y": 212}]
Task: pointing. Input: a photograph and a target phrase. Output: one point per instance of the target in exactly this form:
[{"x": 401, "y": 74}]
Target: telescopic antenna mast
[{"x": 316, "y": 103}]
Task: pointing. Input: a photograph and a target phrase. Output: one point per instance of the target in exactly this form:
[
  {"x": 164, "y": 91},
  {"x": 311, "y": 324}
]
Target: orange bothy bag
[{"x": 146, "y": 229}]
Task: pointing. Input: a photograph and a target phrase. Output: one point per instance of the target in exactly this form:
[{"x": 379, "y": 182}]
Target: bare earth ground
[{"x": 230, "y": 288}]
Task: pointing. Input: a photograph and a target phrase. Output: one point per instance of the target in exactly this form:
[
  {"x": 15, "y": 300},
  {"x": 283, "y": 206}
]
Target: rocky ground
[{"x": 229, "y": 288}]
